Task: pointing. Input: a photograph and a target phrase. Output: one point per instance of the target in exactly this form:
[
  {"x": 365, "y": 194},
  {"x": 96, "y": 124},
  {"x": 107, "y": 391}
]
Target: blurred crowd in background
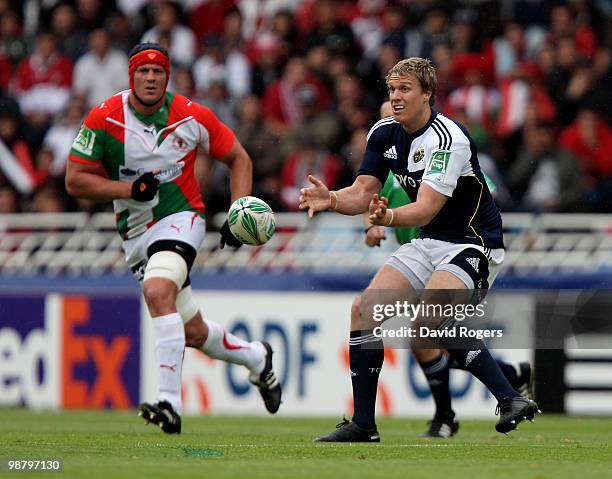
[{"x": 301, "y": 82}]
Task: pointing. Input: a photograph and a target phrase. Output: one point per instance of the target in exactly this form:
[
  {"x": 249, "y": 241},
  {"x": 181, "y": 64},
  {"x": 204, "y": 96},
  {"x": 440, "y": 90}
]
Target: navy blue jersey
[{"x": 443, "y": 155}]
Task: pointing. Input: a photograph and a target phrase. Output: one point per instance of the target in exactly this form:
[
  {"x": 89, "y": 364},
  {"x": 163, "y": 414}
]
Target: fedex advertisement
[
  {"x": 60, "y": 351},
  {"x": 96, "y": 351}
]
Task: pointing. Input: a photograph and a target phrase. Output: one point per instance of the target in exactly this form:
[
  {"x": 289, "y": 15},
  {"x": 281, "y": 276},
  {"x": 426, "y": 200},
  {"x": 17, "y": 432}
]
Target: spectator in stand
[
  {"x": 232, "y": 32},
  {"x": 352, "y": 156},
  {"x": 529, "y": 12},
  {"x": 9, "y": 200},
  {"x": 233, "y": 64},
  {"x": 589, "y": 138},
  {"x": 442, "y": 57},
  {"x": 121, "y": 32},
  {"x": 349, "y": 93},
  {"x": 12, "y": 43},
  {"x": 571, "y": 79},
  {"x": 602, "y": 77},
  {"x": 266, "y": 56},
  {"x": 16, "y": 165},
  {"x": 368, "y": 27},
  {"x": 323, "y": 127},
  {"x": 207, "y": 18},
  {"x": 477, "y": 95},
  {"x": 463, "y": 32},
  {"x": 182, "y": 82},
  {"x": 52, "y": 157},
  {"x": 353, "y": 104},
  {"x": 308, "y": 159},
  {"x": 42, "y": 84},
  {"x": 545, "y": 178},
  {"x": 48, "y": 198},
  {"x": 331, "y": 31},
  {"x": 284, "y": 28},
  {"x": 93, "y": 13},
  {"x": 388, "y": 55},
  {"x": 515, "y": 46},
  {"x": 563, "y": 24},
  {"x": 72, "y": 37},
  {"x": 395, "y": 22},
  {"x": 183, "y": 43},
  {"x": 524, "y": 98},
  {"x": 236, "y": 64},
  {"x": 318, "y": 60},
  {"x": 217, "y": 97},
  {"x": 280, "y": 101},
  {"x": 263, "y": 146},
  {"x": 101, "y": 72}
]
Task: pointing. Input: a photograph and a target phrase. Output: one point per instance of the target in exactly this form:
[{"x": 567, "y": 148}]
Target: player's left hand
[
  {"x": 227, "y": 238},
  {"x": 316, "y": 198},
  {"x": 378, "y": 210}
]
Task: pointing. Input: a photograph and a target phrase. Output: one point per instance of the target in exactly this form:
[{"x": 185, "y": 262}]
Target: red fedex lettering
[{"x": 108, "y": 388}]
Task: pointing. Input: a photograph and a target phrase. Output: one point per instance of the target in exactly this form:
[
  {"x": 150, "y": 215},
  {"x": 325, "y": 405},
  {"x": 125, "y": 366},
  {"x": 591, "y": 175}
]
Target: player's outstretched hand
[
  {"x": 378, "y": 210},
  {"x": 227, "y": 238},
  {"x": 145, "y": 187},
  {"x": 375, "y": 235},
  {"x": 316, "y": 198}
]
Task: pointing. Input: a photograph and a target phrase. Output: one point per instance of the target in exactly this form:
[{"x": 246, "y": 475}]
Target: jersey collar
[
  {"x": 422, "y": 130},
  {"x": 156, "y": 116}
]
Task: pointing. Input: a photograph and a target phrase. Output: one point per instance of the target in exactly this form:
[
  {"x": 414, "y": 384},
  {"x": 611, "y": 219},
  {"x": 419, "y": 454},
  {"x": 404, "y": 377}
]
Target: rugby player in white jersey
[{"x": 138, "y": 149}]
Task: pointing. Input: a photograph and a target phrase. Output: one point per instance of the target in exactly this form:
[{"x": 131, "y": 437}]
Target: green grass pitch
[{"x": 118, "y": 445}]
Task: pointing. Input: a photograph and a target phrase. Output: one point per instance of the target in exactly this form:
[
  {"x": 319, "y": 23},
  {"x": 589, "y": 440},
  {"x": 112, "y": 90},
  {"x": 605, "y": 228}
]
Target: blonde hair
[{"x": 423, "y": 69}]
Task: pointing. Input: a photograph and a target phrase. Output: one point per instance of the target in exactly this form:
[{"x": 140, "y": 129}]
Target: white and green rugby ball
[{"x": 251, "y": 220}]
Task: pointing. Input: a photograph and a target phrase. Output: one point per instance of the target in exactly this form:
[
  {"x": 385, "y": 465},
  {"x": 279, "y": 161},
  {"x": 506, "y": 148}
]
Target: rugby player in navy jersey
[{"x": 460, "y": 247}]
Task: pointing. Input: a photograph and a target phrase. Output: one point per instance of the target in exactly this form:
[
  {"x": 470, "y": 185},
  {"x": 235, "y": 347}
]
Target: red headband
[{"x": 145, "y": 57}]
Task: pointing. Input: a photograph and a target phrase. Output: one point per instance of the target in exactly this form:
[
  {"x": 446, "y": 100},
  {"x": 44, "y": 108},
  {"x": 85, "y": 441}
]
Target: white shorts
[
  {"x": 186, "y": 226},
  {"x": 476, "y": 266}
]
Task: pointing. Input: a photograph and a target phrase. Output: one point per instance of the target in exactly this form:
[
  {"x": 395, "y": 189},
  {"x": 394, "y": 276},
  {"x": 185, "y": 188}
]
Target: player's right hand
[
  {"x": 375, "y": 235},
  {"x": 145, "y": 187},
  {"x": 316, "y": 198}
]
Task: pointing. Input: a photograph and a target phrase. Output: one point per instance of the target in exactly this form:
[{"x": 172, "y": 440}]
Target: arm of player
[
  {"x": 351, "y": 200},
  {"x": 241, "y": 170},
  {"x": 419, "y": 213},
  {"x": 86, "y": 181}
]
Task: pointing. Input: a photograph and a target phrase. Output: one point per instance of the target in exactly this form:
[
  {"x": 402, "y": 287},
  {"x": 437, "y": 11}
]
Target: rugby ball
[{"x": 251, "y": 220}]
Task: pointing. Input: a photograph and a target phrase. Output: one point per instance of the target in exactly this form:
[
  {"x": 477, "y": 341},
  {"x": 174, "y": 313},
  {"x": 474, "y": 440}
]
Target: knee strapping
[
  {"x": 169, "y": 265},
  {"x": 186, "y": 305}
]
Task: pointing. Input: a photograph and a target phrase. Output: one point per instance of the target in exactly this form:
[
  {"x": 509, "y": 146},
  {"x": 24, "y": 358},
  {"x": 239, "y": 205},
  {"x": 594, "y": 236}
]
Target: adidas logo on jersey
[
  {"x": 474, "y": 262},
  {"x": 391, "y": 153}
]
